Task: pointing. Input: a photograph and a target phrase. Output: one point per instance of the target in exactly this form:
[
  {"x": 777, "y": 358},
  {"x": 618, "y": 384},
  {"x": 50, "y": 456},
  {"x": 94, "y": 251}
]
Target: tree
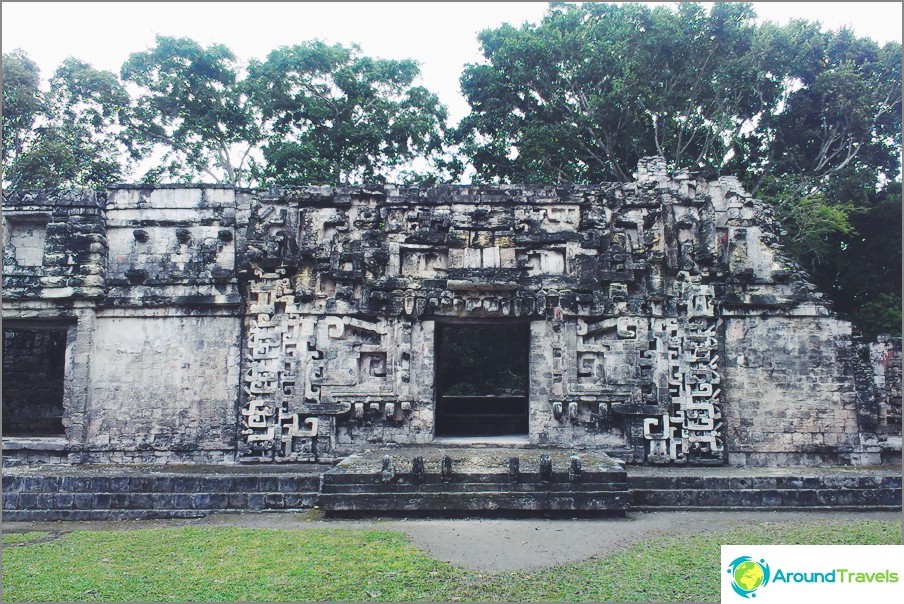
[
  {"x": 334, "y": 116},
  {"x": 193, "y": 107},
  {"x": 808, "y": 120},
  {"x": 839, "y": 118},
  {"x": 67, "y": 137},
  {"x": 23, "y": 104},
  {"x": 594, "y": 87}
]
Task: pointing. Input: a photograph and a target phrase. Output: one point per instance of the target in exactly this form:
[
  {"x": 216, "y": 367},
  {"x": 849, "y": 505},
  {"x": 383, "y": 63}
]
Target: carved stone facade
[{"x": 666, "y": 325}]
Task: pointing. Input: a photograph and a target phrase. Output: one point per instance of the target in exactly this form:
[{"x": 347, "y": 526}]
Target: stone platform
[
  {"x": 130, "y": 492},
  {"x": 427, "y": 480},
  {"x": 479, "y": 482}
]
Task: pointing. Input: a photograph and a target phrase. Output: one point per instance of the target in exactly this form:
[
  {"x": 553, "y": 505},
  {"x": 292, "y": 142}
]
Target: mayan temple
[{"x": 656, "y": 323}]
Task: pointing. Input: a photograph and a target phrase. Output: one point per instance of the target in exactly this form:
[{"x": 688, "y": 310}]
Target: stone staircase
[
  {"x": 456, "y": 480},
  {"x": 838, "y": 488}
]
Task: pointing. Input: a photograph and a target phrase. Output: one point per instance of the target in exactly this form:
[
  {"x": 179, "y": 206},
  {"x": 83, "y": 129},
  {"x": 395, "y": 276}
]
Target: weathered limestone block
[{"x": 164, "y": 383}]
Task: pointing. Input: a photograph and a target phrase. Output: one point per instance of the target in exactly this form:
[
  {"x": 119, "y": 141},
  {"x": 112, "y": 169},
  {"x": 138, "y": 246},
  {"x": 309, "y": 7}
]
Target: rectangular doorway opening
[
  {"x": 482, "y": 379},
  {"x": 34, "y": 370}
]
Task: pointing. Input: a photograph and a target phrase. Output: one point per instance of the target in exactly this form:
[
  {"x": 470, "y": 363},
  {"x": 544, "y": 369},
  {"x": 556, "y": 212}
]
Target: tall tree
[
  {"x": 335, "y": 116},
  {"x": 809, "y": 120},
  {"x": 192, "y": 107},
  {"x": 582, "y": 95},
  {"x": 593, "y": 87},
  {"x": 67, "y": 137},
  {"x": 23, "y": 104}
]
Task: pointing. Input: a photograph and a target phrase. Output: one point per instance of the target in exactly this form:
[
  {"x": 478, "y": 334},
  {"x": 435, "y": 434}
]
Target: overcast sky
[{"x": 442, "y": 37}]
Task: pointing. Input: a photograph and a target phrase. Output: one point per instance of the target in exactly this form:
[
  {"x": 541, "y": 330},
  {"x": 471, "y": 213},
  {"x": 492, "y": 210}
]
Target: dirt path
[{"x": 493, "y": 545}]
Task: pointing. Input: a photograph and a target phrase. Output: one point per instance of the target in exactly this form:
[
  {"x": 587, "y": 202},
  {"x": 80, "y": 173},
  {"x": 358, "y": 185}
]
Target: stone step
[
  {"x": 765, "y": 499},
  {"x": 479, "y": 481},
  {"x": 474, "y": 479},
  {"x": 120, "y": 493},
  {"x": 184, "y": 483},
  {"x": 483, "y": 501},
  {"x": 822, "y": 481},
  {"x": 843, "y": 490}
]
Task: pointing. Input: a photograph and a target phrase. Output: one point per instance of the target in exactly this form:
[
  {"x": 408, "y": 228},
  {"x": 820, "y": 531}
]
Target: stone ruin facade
[{"x": 213, "y": 324}]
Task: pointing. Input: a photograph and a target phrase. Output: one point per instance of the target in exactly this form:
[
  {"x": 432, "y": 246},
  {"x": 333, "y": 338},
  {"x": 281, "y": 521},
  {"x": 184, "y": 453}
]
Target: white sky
[{"x": 442, "y": 37}]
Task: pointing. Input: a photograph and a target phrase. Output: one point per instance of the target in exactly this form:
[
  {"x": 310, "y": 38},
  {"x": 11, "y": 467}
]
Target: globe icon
[{"x": 748, "y": 575}]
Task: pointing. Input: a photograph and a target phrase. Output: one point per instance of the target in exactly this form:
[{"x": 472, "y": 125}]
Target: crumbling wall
[
  {"x": 54, "y": 263},
  {"x": 667, "y": 325},
  {"x": 142, "y": 281},
  {"x": 54, "y": 245},
  {"x": 166, "y": 351},
  {"x": 885, "y": 362},
  {"x": 624, "y": 350},
  {"x": 885, "y": 372},
  {"x": 163, "y": 386},
  {"x": 792, "y": 397}
]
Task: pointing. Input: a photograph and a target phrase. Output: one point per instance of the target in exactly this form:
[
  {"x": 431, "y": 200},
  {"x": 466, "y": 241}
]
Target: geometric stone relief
[
  {"x": 625, "y": 287},
  {"x": 660, "y": 374},
  {"x": 303, "y": 372},
  {"x": 692, "y": 429},
  {"x": 24, "y": 242}
]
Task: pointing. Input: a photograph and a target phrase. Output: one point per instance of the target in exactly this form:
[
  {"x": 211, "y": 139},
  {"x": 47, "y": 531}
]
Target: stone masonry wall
[
  {"x": 62, "y": 241},
  {"x": 164, "y": 384},
  {"x": 791, "y": 396},
  {"x": 667, "y": 325},
  {"x": 885, "y": 372},
  {"x": 625, "y": 286},
  {"x": 154, "y": 362}
]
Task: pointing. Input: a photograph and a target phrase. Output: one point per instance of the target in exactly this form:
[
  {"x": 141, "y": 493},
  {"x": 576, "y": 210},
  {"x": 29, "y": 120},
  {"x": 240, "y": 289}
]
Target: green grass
[
  {"x": 675, "y": 569},
  {"x": 14, "y": 538},
  {"x": 233, "y": 564}
]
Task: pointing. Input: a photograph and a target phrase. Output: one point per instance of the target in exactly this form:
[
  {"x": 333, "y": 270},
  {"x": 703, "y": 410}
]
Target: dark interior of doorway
[
  {"x": 34, "y": 368},
  {"x": 482, "y": 379}
]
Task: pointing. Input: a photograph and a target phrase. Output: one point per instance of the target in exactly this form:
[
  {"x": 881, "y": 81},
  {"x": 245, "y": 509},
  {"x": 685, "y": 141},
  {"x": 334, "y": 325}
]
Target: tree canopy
[
  {"x": 193, "y": 107},
  {"x": 67, "y": 136},
  {"x": 335, "y": 116},
  {"x": 809, "y": 120}
]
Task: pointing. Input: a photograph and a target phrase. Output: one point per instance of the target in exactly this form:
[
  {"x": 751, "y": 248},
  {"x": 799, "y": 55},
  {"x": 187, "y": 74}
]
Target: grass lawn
[{"x": 239, "y": 564}]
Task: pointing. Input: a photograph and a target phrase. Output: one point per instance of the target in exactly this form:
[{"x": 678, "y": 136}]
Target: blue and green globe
[{"x": 749, "y": 575}]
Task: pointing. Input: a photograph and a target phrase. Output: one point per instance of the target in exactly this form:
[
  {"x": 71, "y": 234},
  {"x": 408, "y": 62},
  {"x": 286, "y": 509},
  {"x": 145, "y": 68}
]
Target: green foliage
[
  {"x": 23, "y": 103},
  {"x": 807, "y": 119},
  {"x": 335, "y": 116},
  {"x": 880, "y": 314},
  {"x": 231, "y": 564},
  {"x": 193, "y": 107},
  {"x": 64, "y": 157},
  {"x": 811, "y": 223},
  {"x": 583, "y": 95},
  {"x": 67, "y": 137},
  {"x": 862, "y": 270}
]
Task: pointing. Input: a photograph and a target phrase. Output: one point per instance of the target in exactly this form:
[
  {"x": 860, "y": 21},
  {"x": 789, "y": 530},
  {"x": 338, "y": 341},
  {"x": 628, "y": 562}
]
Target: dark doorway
[
  {"x": 34, "y": 367},
  {"x": 481, "y": 379}
]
